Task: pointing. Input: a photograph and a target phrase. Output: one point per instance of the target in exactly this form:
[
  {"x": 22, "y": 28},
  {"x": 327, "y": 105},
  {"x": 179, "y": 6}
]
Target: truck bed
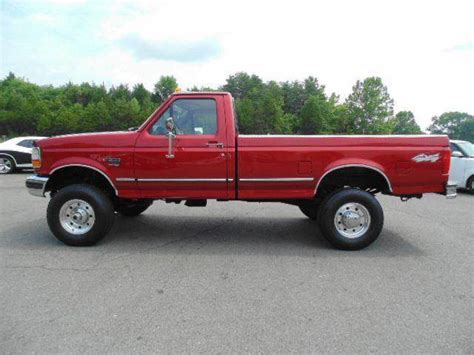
[{"x": 294, "y": 165}]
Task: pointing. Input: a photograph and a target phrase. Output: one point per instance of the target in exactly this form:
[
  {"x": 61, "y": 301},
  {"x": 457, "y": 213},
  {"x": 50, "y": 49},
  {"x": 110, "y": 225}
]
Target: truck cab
[{"x": 194, "y": 157}]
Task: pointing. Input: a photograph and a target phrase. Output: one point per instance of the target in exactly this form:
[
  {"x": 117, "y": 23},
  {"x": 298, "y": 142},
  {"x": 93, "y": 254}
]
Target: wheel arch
[
  {"x": 81, "y": 172},
  {"x": 346, "y": 167},
  {"x": 10, "y": 156},
  {"x": 470, "y": 176}
]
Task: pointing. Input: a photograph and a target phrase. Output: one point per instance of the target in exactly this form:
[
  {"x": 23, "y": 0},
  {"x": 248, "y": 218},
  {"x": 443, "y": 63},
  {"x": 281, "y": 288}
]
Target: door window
[{"x": 190, "y": 116}]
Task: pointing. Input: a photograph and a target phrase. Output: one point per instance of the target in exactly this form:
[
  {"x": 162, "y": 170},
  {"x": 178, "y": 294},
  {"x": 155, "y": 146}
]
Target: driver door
[{"x": 197, "y": 169}]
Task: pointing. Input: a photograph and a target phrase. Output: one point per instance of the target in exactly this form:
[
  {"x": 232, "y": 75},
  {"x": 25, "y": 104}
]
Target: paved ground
[{"x": 237, "y": 277}]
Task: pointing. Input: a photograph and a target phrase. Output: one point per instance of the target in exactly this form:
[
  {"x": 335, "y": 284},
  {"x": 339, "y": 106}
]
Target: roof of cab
[{"x": 200, "y": 93}]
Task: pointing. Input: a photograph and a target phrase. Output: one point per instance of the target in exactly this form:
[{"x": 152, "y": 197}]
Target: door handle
[{"x": 215, "y": 145}]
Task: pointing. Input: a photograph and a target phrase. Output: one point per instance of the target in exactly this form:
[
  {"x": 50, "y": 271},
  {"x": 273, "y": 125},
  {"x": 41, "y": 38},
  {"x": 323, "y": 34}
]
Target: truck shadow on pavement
[{"x": 208, "y": 235}]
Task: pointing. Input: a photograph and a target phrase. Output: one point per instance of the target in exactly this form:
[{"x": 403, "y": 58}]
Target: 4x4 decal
[{"x": 433, "y": 158}]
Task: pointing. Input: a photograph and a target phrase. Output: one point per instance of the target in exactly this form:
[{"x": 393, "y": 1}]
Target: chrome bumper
[
  {"x": 451, "y": 189},
  {"x": 36, "y": 185}
]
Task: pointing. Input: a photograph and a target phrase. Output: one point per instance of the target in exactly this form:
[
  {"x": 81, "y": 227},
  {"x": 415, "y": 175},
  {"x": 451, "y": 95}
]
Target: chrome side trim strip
[
  {"x": 288, "y": 179},
  {"x": 338, "y": 136},
  {"x": 354, "y": 166},
  {"x": 89, "y": 167},
  {"x": 182, "y": 180},
  {"x": 125, "y": 179},
  {"x": 172, "y": 180}
]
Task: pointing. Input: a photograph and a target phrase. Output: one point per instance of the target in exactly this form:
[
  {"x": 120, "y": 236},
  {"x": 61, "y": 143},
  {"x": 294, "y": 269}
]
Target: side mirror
[
  {"x": 171, "y": 136},
  {"x": 170, "y": 124},
  {"x": 456, "y": 154}
]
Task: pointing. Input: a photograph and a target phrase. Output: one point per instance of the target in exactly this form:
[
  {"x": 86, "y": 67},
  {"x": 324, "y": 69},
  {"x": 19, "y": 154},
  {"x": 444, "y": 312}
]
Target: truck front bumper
[
  {"x": 36, "y": 185},
  {"x": 451, "y": 189}
]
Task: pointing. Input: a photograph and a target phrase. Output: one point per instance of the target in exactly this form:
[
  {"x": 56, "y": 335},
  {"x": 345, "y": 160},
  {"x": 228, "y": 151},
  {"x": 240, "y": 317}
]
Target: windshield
[{"x": 467, "y": 148}]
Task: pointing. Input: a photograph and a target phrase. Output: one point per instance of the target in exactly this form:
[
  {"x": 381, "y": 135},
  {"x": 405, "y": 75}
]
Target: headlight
[{"x": 36, "y": 157}]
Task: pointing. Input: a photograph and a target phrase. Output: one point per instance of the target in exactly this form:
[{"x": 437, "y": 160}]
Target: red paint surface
[{"x": 142, "y": 156}]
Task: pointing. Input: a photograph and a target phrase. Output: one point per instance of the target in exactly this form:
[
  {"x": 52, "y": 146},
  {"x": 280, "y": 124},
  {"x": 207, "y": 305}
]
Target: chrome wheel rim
[
  {"x": 5, "y": 166},
  {"x": 77, "y": 216},
  {"x": 352, "y": 220}
]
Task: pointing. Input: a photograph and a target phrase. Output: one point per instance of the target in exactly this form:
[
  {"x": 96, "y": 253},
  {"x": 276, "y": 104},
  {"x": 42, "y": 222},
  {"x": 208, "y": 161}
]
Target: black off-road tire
[
  {"x": 310, "y": 211},
  {"x": 469, "y": 185},
  {"x": 133, "y": 209},
  {"x": 329, "y": 209},
  {"x": 102, "y": 208}
]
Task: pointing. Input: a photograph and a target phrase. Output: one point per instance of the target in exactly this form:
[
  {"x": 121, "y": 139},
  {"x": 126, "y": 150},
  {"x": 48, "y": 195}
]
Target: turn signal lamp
[{"x": 36, "y": 157}]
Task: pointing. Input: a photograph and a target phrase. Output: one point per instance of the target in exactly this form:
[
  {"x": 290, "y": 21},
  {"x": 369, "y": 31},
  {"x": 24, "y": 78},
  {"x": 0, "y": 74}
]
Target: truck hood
[{"x": 91, "y": 140}]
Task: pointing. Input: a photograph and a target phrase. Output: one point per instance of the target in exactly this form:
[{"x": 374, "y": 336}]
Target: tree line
[{"x": 290, "y": 107}]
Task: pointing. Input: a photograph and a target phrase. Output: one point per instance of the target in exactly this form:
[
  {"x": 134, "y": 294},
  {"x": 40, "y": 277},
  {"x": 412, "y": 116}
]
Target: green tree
[
  {"x": 404, "y": 123},
  {"x": 20, "y": 106},
  {"x": 457, "y": 125},
  {"x": 241, "y": 85},
  {"x": 96, "y": 117},
  {"x": 120, "y": 92},
  {"x": 316, "y": 116},
  {"x": 202, "y": 88},
  {"x": 165, "y": 86},
  {"x": 262, "y": 107},
  {"x": 140, "y": 93},
  {"x": 294, "y": 96},
  {"x": 261, "y": 111},
  {"x": 144, "y": 98},
  {"x": 296, "y": 93},
  {"x": 369, "y": 107}
]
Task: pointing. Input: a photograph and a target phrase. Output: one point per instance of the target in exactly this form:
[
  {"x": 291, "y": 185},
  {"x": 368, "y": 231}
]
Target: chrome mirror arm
[{"x": 171, "y": 137}]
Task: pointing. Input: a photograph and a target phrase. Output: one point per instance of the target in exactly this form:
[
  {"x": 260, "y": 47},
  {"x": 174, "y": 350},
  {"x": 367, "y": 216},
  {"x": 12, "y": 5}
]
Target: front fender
[{"x": 83, "y": 162}]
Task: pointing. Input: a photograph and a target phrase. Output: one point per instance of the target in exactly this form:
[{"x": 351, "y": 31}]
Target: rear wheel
[
  {"x": 133, "y": 209},
  {"x": 351, "y": 219},
  {"x": 7, "y": 165},
  {"x": 80, "y": 215}
]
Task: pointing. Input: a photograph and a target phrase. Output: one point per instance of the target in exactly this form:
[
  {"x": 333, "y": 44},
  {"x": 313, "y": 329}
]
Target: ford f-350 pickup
[{"x": 189, "y": 150}]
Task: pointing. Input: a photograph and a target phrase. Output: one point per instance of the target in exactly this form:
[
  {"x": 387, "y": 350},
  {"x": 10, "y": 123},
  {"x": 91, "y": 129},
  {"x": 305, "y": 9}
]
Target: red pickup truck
[{"x": 189, "y": 150}]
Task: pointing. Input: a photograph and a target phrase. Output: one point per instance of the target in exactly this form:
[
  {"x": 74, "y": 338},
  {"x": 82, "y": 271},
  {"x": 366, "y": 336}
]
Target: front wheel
[
  {"x": 351, "y": 219},
  {"x": 80, "y": 215}
]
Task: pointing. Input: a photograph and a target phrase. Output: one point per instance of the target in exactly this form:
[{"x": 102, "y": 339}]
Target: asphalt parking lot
[{"x": 237, "y": 277}]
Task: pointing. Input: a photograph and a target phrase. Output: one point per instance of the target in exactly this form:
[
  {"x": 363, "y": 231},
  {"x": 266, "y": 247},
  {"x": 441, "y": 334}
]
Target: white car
[
  {"x": 462, "y": 165},
  {"x": 15, "y": 153}
]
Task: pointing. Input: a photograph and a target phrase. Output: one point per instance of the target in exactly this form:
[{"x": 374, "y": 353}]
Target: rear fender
[{"x": 348, "y": 163}]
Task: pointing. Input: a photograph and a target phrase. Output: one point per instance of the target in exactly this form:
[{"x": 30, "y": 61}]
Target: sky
[{"x": 422, "y": 50}]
